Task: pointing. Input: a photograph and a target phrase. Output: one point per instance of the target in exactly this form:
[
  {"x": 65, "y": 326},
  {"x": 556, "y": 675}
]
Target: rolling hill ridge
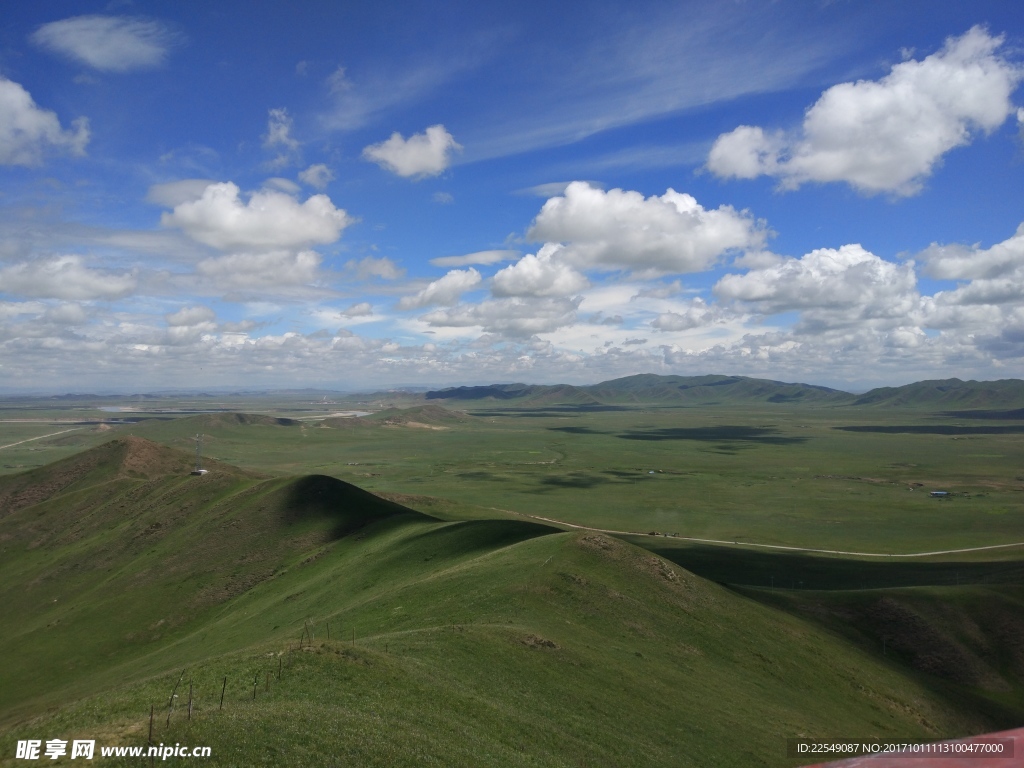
[
  {"x": 498, "y": 642},
  {"x": 723, "y": 390}
]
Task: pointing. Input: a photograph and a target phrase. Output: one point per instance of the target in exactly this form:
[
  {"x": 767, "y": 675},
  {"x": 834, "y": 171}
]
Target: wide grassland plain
[
  {"x": 851, "y": 479},
  {"x": 479, "y": 636}
]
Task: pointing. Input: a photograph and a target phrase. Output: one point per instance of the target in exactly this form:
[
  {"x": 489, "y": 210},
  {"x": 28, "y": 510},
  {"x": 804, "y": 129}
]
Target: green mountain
[
  {"x": 949, "y": 393},
  {"x": 348, "y": 629},
  {"x": 520, "y": 395},
  {"x": 648, "y": 388},
  {"x": 710, "y": 390}
]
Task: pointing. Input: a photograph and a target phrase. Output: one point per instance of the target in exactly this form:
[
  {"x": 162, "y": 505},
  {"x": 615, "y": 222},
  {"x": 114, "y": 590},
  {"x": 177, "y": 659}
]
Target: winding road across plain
[
  {"x": 735, "y": 543},
  {"x": 11, "y": 445}
]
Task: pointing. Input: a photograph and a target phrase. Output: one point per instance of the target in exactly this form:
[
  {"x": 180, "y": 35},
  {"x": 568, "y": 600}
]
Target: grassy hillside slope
[
  {"x": 948, "y": 393},
  {"x": 486, "y": 642}
]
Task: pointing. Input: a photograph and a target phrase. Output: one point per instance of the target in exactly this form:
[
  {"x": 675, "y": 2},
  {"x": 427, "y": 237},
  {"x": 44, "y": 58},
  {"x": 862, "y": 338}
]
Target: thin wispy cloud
[{"x": 109, "y": 43}]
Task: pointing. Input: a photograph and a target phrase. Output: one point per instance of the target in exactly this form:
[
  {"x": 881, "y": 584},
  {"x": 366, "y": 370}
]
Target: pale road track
[
  {"x": 775, "y": 546},
  {"x": 11, "y": 445}
]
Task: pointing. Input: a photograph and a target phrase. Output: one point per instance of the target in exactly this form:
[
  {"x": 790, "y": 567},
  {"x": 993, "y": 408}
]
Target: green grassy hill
[
  {"x": 948, "y": 393},
  {"x": 711, "y": 390},
  {"x": 646, "y": 389},
  {"x": 231, "y": 419},
  {"x": 422, "y": 415},
  {"x": 483, "y": 642}
]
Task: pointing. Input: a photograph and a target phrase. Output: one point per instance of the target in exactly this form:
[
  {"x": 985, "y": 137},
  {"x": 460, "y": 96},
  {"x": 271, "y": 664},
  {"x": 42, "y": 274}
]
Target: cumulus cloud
[
  {"x": 270, "y": 220},
  {"x": 514, "y": 316},
  {"x": 621, "y": 229},
  {"x": 960, "y": 262},
  {"x": 442, "y": 198},
  {"x": 539, "y": 275},
  {"x": 28, "y": 132},
  {"x": 108, "y": 43},
  {"x": 995, "y": 287},
  {"x": 265, "y": 270},
  {"x": 64, "y": 277},
  {"x": 697, "y": 315},
  {"x": 372, "y": 266},
  {"x": 479, "y": 257},
  {"x": 189, "y": 325},
  {"x": 445, "y": 290},
  {"x": 421, "y": 155},
  {"x": 746, "y": 153},
  {"x": 317, "y": 176},
  {"x": 831, "y": 287},
  {"x": 885, "y": 135}
]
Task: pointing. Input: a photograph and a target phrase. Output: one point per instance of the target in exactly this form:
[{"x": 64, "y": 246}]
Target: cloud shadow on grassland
[
  {"x": 585, "y": 480},
  {"x": 937, "y": 429},
  {"x": 720, "y": 434}
]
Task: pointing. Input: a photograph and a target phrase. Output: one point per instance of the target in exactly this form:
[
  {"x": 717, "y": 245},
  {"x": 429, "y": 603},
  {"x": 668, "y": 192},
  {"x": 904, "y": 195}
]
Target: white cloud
[
  {"x": 831, "y": 287},
  {"x": 265, "y": 270},
  {"x": 621, "y": 229},
  {"x": 278, "y": 137},
  {"x": 371, "y": 266},
  {"x": 443, "y": 198},
  {"x": 508, "y": 317},
  {"x": 64, "y": 277},
  {"x": 317, "y": 176},
  {"x": 27, "y": 132},
  {"x": 697, "y": 315},
  {"x": 445, "y": 290},
  {"x": 959, "y": 262},
  {"x": 480, "y": 257},
  {"x": 539, "y": 275},
  {"x": 191, "y": 316},
  {"x": 362, "y": 309},
  {"x": 173, "y": 193},
  {"x": 422, "y": 154},
  {"x": 885, "y": 135},
  {"x": 108, "y": 43},
  {"x": 746, "y": 153},
  {"x": 270, "y": 220}
]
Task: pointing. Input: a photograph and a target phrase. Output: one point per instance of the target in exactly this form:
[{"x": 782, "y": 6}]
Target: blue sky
[{"x": 247, "y": 195}]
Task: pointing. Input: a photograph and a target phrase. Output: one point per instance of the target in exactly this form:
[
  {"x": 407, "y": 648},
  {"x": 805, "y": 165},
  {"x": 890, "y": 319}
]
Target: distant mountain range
[{"x": 723, "y": 390}]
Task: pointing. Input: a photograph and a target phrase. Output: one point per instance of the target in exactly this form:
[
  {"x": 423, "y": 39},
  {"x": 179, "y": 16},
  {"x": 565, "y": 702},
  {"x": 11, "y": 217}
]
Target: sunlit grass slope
[{"x": 485, "y": 642}]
